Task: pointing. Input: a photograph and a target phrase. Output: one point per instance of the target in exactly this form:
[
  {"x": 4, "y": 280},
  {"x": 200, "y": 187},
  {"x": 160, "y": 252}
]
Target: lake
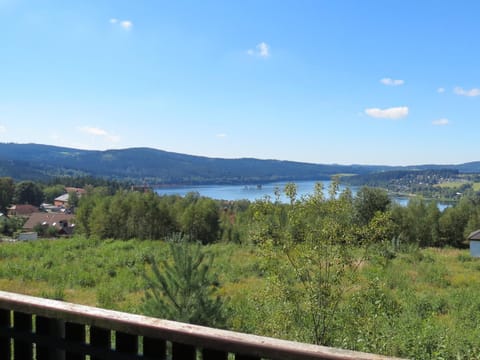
[
  {"x": 248, "y": 192},
  {"x": 253, "y": 192}
]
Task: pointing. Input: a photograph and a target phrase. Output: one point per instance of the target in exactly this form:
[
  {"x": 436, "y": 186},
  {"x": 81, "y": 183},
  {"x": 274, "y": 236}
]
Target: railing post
[
  {"x": 154, "y": 348},
  {"x": 22, "y": 349},
  {"x": 74, "y": 333},
  {"x": 54, "y": 329},
  {"x": 183, "y": 352},
  {"x": 99, "y": 339},
  {"x": 126, "y": 343},
  {"x": 5, "y": 342}
]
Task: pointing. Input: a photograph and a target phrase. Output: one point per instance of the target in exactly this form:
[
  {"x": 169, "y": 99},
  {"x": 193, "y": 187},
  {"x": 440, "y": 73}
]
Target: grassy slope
[
  {"x": 99, "y": 273},
  {"x": 422, "y": 304}
]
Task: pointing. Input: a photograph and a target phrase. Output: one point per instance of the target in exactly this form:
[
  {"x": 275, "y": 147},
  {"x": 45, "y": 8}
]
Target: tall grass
[{"x": 421, "y": 304}]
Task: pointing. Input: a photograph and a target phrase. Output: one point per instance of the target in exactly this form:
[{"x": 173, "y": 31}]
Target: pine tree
[{"x": 184, "y": 288}]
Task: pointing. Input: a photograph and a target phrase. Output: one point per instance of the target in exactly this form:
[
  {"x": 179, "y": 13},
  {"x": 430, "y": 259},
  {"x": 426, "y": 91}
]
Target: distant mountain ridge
[{"x": 42, "y": 162}]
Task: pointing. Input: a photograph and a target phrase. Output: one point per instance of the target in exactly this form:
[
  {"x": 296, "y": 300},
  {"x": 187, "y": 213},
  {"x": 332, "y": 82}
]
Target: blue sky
[{"x": 344, "y": 81}]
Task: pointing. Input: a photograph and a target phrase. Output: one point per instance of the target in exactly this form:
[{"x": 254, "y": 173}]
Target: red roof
[
  {"x": 22, "y": 210},
  {"x": 50, "y": 219}
]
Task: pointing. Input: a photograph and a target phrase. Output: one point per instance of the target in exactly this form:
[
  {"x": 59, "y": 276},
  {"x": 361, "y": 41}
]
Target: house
[
  {"x": 474, "y": 239},
  {"x": 64, "y": 223},
  {"x": 21, "y": 210},
  {"x": 61, "y": 200},
  {"x": 51, "y": 208}
]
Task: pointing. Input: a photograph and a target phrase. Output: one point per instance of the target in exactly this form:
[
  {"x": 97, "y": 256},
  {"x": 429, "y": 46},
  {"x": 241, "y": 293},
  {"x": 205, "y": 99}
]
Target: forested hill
[
  {"x": 42, "y": 162},
  {"x": 34, "y": 161}
]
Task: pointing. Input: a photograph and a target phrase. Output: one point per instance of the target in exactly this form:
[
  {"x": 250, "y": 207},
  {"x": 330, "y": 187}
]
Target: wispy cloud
[
  {"x": 389, "y": 113},
  {"x": 440, "y": 122},
  {"x": 392, "y": 82},
  {"x": 261, "y": 50},
  {"x": 221, "y": 136},
  {"x": 124, "y": 24},
  {"x": 440, "y": 90},
  {"x": 472, "y": 92},
  {"x": 3, "y": 129},
  {"x": 100, "y": 133}
]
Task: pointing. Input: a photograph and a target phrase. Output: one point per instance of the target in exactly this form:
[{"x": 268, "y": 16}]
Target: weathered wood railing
[{"x": 34, "y": 328}]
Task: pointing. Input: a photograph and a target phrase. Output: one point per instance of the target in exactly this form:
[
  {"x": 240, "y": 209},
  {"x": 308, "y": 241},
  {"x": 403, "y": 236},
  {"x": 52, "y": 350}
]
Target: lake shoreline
[{"x": 252, "y": 192}]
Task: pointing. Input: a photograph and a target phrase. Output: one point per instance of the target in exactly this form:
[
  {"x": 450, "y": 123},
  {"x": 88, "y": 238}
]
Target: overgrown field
[
  {"x": 413, "y": 303},
  {"x": 107, "y": 273}
]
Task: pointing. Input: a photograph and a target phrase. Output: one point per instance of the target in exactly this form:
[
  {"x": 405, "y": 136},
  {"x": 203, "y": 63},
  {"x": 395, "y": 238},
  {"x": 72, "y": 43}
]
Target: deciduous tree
[
  {"x": 368, "y": 201},
  {"x": 7, "y": 188},
  {"x": 314, "y": 256},
  {"x": 28, "y": 192}
]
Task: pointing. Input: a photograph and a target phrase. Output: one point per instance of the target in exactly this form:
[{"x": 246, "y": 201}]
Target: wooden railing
[{"x": 34, "y": 328}]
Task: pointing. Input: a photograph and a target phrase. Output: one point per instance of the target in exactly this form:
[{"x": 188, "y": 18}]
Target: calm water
[
  {"x": 252, "y": 192},
  {"x": 248, "y": 192}
]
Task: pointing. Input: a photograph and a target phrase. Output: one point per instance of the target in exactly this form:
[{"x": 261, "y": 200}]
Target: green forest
[
  {"x": 350, "y": 271},
  {"x": 45, "y": 162}
]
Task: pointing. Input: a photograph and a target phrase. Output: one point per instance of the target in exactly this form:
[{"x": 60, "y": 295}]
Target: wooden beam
[{"x": 198, "y": 336}]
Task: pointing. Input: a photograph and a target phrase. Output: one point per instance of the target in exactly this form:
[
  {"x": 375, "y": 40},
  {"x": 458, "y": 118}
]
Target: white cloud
[
  {"x": 472, "y": 92},
  {"x": 3, "y": 129},
  {"x": 440, "y": 90},
  {"x": 261, "y": 50},
  {"x": 221, "y": 136},
  {"x": 93, "y": 131},
  {"x": 126, "y": 24},
  {"x": 99, "y": 132},
  {"x": 390, "y": 113},
  {"x": 392, "y": 82},
  {"x": 440, "y": 122}
]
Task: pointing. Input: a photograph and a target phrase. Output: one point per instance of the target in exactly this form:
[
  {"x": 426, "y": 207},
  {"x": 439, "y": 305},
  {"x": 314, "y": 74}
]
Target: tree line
[
  {"x": 110, "y": 210},
  {"x": 129, "y": 214}
]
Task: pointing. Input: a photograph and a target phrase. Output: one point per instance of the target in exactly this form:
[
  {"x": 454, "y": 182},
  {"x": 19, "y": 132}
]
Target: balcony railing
[{"x": 34, "y": 328}]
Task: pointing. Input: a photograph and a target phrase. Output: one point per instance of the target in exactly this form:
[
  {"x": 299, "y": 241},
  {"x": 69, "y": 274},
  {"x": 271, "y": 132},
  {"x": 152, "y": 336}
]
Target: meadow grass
[
  {"x": 421, "y": 303},
  {"x": 105, "y": 273}
]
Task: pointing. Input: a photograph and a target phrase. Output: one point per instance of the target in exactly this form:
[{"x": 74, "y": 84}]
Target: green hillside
[
  {"x": 42, "y": 162},
  {"x": 34, "y": 161}
]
